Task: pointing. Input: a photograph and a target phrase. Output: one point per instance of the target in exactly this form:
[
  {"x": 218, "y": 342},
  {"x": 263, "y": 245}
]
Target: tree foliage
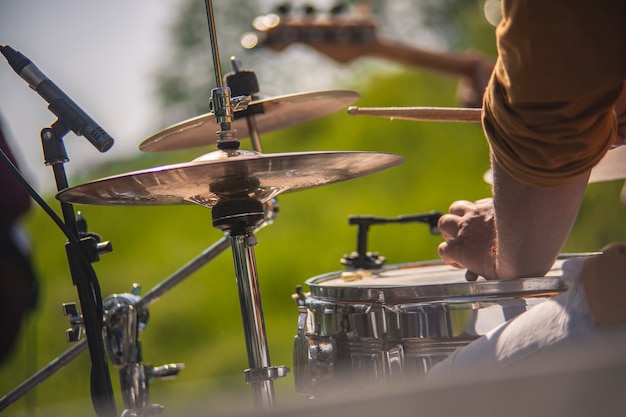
[{"x": 187, "y": 75}]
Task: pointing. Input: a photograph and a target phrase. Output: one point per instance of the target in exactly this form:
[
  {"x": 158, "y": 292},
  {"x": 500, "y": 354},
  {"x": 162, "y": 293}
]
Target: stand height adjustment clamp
[
  {"x": 75, "y": 332},
  {"x": 269, "y": 373},
  {"x": 91, "y": 243}
]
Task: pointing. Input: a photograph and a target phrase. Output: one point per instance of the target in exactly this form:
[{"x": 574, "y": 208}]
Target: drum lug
[
  {"x": 394, "y": 362},
  {"x": 380, "y": 304},
  {"x": 300, "y": 296},
  {"x": 314, "y": 362},
  {"x": 313, "y": 356}
]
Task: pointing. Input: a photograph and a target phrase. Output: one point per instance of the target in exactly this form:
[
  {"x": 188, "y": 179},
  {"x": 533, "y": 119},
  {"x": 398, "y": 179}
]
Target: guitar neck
[
  {"x": 347, "y": 39},
  {"x": 461, "y": 65}
]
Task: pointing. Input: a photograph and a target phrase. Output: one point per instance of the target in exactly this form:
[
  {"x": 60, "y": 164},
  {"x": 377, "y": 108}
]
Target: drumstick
[{"x": 435, "y": 114}]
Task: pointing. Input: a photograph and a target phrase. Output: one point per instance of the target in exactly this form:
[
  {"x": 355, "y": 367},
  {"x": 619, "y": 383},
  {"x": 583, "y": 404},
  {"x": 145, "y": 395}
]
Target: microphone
[{"x": 60, "y": 104}]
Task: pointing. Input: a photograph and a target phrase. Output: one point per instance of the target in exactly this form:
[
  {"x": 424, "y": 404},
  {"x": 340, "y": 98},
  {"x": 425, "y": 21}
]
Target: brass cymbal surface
[
  {"x": 228, "y": 175},
  {"x": 270, "y": 114},
  {"x": 611, "y": 167}
]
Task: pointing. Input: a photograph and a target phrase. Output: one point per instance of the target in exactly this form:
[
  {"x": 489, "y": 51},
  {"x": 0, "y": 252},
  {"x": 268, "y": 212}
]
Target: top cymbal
[
  {"x": 220, "y": 176},
  {"x": 270, "y": 114}
]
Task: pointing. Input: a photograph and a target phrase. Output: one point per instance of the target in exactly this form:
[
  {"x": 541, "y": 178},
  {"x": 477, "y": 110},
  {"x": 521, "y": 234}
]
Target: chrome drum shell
[{"x": 363, "y": 328}]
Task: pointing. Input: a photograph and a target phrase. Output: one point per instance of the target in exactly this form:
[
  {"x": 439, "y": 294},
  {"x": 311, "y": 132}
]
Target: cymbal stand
[
  {"x": 237, "y": 214},
  {"x": 244, "y": 83},
  {"x": 127, "y": 315}
]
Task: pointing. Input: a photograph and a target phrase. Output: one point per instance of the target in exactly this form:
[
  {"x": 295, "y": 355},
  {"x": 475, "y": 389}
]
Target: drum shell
[{"x": 401, "y": 322}]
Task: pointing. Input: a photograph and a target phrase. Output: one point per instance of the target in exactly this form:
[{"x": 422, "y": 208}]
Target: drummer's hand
[{"x": 469, "y": 231}]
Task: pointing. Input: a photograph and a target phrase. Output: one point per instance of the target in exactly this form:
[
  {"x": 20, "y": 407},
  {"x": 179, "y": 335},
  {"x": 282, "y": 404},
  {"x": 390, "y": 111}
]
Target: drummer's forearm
[{"x": 532, "y": 223}]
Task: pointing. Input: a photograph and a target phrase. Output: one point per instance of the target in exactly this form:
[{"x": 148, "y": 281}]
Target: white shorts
[{"x": 558, "y": 334}]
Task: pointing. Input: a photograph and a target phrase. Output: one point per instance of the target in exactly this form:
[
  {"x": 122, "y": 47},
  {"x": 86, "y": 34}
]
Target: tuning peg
[
  {"x": 339, "y": 8},
  {"x": 309, "y": 9},
  {"x": 283, "y": 9}
]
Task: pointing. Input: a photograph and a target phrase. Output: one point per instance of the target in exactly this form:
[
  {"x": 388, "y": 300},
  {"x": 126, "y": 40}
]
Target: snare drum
[{"x": 359, "y": 328}]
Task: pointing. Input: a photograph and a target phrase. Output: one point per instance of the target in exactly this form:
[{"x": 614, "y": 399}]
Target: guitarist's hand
[{"x": 471, "y": 89}]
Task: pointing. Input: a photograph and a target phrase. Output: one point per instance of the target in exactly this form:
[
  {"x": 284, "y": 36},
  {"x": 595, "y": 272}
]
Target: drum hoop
[{"x": 448, "y": 292}]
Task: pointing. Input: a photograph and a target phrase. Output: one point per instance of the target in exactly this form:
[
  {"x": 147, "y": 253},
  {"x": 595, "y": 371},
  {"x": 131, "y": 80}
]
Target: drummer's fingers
[
  {"x": 488, "y": 200},
  {"x": 447, "y": 256},
  {"x": 446, "y": 252},
  {"x": 448, "y": 225},
  {"x": 460, "y": 207}
]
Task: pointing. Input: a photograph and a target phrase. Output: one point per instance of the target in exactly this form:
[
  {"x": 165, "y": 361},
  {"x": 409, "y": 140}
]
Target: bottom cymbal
[{"x": 221, "y": 176}]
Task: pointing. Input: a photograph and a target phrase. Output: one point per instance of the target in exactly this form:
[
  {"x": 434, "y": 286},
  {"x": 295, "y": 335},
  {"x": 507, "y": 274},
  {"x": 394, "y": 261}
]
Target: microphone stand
[
  {"x": 81, "y": 252},
  {"x": 238, "y": 215}
]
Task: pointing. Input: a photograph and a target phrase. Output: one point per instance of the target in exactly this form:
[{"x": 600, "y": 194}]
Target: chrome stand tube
[{"x": 252, "y": 316}]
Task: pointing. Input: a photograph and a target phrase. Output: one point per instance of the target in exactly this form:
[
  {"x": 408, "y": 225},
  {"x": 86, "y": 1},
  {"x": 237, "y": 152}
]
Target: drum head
[{"x": 425, "y": 281}]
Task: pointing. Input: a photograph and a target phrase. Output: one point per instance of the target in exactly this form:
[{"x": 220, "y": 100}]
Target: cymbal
[
  {"x": 610, "y": 168},
  {"x": 219, "y": 176},
  {"x": 270, "y": 114}
]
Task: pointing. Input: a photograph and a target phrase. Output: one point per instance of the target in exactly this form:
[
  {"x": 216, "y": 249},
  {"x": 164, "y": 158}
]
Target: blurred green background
[{"x": 199, "y": 322}]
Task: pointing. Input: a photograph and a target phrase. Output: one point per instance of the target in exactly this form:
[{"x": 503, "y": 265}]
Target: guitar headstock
[{"x": 342, "y": 37}]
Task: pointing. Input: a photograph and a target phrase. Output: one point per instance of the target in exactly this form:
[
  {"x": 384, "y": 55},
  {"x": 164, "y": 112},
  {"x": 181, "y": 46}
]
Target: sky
[{"x": 102, "y": 55}]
